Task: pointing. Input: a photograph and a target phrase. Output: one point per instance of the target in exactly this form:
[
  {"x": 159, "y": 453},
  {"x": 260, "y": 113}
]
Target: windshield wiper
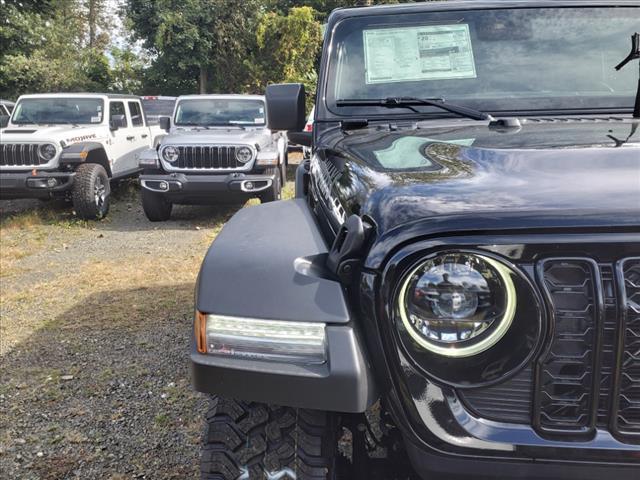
[{"x": 410, "y": 102}]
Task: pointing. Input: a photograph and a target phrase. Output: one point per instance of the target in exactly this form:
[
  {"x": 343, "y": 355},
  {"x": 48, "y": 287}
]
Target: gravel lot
[{"x": 95, "y": 319}]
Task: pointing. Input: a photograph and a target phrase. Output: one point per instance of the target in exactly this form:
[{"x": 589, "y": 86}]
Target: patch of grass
[{"x": 162, "y": 419}]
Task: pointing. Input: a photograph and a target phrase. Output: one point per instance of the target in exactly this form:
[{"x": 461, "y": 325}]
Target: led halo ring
[{"x": 483, "y": 344}]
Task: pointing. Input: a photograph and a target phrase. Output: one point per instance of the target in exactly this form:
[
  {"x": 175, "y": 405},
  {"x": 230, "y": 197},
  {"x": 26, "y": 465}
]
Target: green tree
[
  {"x": 44, "y": 49},
  {"x": 207, "y": 38},
  {"x": 286, "y": 49}
]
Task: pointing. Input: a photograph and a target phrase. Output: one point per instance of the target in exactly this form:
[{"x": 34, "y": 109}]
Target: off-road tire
[
  {"x": 274, "y": 192},
  {"x": 91, "y": 192},
  {"x": 155, "y": 206},
  {"x": 255, "y": 441}
]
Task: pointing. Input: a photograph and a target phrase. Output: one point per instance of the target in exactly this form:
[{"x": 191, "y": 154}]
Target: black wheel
[
  {"x": 91, "y": 192},
  {"x": 274, "y": 192},
  {"x": 256, "y": 441},
  {"x": 155, "y": 206}
]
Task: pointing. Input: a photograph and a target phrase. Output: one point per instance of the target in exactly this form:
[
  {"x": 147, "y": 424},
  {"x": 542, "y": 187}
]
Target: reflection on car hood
[
  {"x": 53, "y": 133},
  {"x": 545, "y": 170},
  {"x": 217, "y": 135}
]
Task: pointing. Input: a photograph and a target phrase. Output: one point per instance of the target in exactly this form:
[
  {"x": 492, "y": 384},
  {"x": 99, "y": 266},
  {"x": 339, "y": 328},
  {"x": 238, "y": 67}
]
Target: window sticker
[
  {"x": 97, "y": 119},
  {"x": 258, "y": 120},
  {"x": 433, "y": 52}
]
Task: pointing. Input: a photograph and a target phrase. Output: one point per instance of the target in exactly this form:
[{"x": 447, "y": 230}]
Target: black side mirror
[
  {"x": 116, "y": 122},
  {"x": 285, "y": 107},
  {"x": 4, "y": 121},
  {"x": 165, "y": 123}
]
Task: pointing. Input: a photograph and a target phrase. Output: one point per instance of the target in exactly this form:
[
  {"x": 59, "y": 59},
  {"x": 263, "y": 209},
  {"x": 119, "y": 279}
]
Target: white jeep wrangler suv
[{"x": 71, "y": 145}]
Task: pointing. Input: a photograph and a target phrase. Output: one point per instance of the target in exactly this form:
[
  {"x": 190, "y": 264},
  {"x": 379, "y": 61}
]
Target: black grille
[
  {"x": 508, "y": 401},
  {"x": 207, "y": 158},
  {"x": 588, "y": 376},
  {"x": 626, "y": 416},
  {"x": 20, "y": 154}
]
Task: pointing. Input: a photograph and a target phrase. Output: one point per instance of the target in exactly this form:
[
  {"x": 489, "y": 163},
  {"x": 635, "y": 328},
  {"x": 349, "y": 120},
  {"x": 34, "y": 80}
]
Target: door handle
[
  {"x": 132, "y": 137},
  {"x": 144, "y": 135}
]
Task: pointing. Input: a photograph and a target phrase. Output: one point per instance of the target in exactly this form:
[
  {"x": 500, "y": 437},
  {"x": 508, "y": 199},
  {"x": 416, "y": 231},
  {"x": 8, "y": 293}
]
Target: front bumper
[
  {"x": 26, "y": 185},
  {"x": 202, "y": 188}
]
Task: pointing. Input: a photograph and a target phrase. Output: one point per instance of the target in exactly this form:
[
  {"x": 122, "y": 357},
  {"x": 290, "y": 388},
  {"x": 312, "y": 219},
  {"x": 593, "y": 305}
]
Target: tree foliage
[
  {"x": 286, "y": 49},
  {"x": 202, "y": 40},
  {"x": 175, "y": 46},
  {"x": 44, "y": 48}
]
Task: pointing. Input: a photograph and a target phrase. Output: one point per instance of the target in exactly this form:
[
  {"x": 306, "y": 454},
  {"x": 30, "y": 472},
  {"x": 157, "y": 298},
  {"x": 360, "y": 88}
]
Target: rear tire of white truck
[
  {"x": 91, "y": 192},
  {"x": 155, "y": 206},
  {"x": 248, "y": 440}
]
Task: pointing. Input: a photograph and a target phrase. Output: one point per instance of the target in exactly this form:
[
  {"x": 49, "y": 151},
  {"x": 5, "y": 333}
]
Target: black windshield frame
[{"x": 400, "y": 17}]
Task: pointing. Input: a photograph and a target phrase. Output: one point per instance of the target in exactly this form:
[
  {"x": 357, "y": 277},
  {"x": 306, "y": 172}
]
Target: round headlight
[
  {"x": 47, "y": 151},
  {"x": 244, "y": 154},
  {"x": 457, "y": 304},
  {"x": 170, "y": 154}
]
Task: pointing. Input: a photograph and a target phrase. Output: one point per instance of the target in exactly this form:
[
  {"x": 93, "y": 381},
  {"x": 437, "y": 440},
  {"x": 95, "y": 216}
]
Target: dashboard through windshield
[{"x": 503, "y": 60}]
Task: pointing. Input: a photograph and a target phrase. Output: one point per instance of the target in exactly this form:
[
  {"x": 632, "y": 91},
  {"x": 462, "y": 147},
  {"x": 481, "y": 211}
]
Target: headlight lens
[
  {"x": 170, "y": 154},
  {"x": 47, "y": 151},
  {"x": 458, "y": 304},
  {"x": 244, "y": 154}
]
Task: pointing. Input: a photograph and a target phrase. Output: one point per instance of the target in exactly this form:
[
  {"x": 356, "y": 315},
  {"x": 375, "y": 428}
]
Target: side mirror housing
[
  {"x": 116, "y": 122},
  {"x": 165, "y": 123},
  {"x": 4, "y": 121},
  {"x": 285, "y": 107}
]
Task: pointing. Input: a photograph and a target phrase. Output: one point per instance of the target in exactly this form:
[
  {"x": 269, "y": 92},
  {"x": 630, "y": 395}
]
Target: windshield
[
  {"x": 58, "y": 111},
  {"x": 218, "y": 111},
  {"x": 158, "y": 108},
  {"x": 509, "y": 60}
]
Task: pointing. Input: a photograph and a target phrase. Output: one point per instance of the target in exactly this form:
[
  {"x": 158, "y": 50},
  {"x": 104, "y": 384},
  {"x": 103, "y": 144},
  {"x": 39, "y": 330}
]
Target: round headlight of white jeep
[
  {"x": 47, "y": 151},
  {"x": 457, "y": 304},
  {"x": 244, "y": 154},
  {"x": 170, "y": 154}
]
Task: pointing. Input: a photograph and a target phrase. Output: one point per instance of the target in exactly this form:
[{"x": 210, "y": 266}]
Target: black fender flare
[
  {"x": 267, "y": 263},
  {"x": 86, "y": 152}
]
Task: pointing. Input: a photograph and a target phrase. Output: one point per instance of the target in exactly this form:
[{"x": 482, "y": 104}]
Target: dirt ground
[{"x": 95, "y": 321}]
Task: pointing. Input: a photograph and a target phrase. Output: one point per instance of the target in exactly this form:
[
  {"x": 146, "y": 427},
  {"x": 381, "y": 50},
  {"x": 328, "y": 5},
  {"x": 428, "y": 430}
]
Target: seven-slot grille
[
  {"x": 207, "y": 158},
  {"x": 20, "y": 154},
  {"x": 588, "y": 376}
]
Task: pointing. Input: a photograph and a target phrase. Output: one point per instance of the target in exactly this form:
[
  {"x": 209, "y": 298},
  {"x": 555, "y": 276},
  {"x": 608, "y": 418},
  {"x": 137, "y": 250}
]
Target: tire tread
[{"x": 254, "y": 438}]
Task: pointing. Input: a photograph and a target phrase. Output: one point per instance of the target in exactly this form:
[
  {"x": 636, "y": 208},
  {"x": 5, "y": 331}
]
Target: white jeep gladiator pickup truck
[{"x": 72, "y": 145}]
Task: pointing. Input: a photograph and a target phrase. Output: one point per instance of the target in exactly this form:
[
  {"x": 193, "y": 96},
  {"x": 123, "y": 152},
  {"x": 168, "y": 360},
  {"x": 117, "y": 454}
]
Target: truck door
[
  {"x": 121, "y": 141},
  {"x": 140, "y": 130}
]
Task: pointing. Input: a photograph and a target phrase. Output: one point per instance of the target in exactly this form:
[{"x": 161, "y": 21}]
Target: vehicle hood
[
  {"x": 546, "y": 173},
  {"x": 217, "y": 135},
  {"x": 53, "y": 133}
]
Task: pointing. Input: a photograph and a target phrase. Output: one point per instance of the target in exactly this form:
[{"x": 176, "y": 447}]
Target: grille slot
[
  {"x": 193, "y": 157},
  {"x": 20, "y": 154},
  {"x": 509, "y": 401},
  {"x": 626, "y": 414},
  {"x": 566, "y": 374}
]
